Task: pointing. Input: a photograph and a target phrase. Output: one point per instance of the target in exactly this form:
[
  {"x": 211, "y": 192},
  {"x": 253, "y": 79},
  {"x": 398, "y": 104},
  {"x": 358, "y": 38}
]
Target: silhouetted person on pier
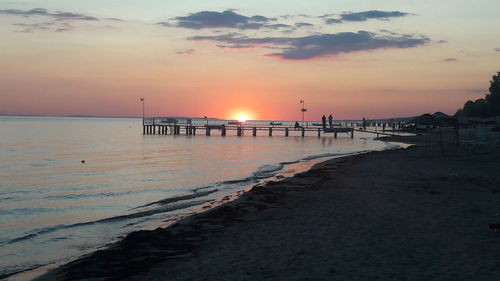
[
  {"x": 323, "y": 120},
  {"x": 297, "y": 126},
  {"x": 364, "y": 124},
  {"x": 330, "y": 121}
]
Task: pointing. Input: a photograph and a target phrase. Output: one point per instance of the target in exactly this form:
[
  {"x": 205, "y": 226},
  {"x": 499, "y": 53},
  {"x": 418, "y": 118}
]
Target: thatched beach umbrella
[
  {"x": 445, "y": 119},
  {"x": 438, "y": 119},
  {"x": 426, "y": 120}
]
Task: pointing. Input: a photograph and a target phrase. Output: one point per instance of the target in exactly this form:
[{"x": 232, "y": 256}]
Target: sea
[{"x": 70, "y": 186}]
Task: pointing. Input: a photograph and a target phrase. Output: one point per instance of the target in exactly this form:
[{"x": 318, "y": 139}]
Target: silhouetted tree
[
  {"x": 493, "y": 99},
  {"x": 487, "y": 107}
]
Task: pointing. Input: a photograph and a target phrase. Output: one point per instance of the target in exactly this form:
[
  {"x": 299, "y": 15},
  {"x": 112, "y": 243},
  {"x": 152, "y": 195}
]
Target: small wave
[
  {"x": 178, "y": 198},
  {"x": 22, "y": 238},
  {"x": 36, "y": 233},
  {"x": 266, "y": 171},
  {"x": 159, "y": 210},
  {"x": 290, "y": 162},
  {"x": 204, "y": 187},
  {"x": 90, "y": 195},
  {"x": 163, "y": 209},
  {"x": 26, "y": 211},
  {"x": 237, "y": 181},
  {"x": 318, "y": 156}
]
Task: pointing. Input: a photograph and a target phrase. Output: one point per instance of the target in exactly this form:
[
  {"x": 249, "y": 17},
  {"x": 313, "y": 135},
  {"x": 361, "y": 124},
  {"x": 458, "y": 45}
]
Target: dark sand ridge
[{"x": 413, "y": 214}]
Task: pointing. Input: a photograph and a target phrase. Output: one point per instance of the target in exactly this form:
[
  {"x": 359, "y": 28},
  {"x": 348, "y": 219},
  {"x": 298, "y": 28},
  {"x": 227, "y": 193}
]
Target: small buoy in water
[{"x": 83, "y": 161}]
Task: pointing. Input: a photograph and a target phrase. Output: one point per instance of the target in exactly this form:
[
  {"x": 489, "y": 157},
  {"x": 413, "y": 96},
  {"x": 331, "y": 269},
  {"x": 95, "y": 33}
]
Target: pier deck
[
  {"x": 193, "y": 126},
  {"x": 240, "y": 130}
]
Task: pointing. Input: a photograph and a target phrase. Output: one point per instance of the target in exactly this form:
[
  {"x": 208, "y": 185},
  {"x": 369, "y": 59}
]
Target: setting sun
[{"x": 241, "y": 115}]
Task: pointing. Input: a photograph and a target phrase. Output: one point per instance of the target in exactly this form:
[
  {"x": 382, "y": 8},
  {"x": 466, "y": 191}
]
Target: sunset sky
[{"x": 354, "y": 59}]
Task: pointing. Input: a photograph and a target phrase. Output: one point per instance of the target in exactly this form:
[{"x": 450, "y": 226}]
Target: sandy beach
[{"x": 420, "y": 213}]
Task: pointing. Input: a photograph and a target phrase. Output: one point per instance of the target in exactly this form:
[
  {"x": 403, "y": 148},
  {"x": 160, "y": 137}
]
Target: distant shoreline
[
  {"x": 199, "y": 117},
  {"x": 73, "y": 116}
]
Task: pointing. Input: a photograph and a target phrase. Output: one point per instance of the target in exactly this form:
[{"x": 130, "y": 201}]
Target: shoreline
[
  {"x": 152, "y": 254},
  {"x": 289, "y": 169},
  {"x": 248, "y": 181},
  {"x": 181, "y": 229}
]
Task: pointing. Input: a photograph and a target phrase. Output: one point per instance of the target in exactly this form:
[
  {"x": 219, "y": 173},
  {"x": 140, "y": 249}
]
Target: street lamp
[
  {"x": 303, "y": 110},
  {"x": 142, "y": 100}
]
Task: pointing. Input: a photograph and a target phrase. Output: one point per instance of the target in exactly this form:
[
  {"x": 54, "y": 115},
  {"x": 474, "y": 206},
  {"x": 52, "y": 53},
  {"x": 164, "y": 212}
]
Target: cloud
[
  {"x": 303, "y": 24},
  {"x": 363, "y": 16},
  {"x": 234, "y": 46},
  {"x": 65, "y": 27},
  {"x": 278, "y": 25},
  {"x": 186, "y": 52},
  {"x": 225, "y": 19},
  {"x": 373, "y": 14},
  {"x": 314, "y": 46},
  {"x": 450, "y": 60},
  {"x": 261, "y": 19},
  {"x": 325, "y": 16},
  {"x": 497, "y": 49},
  {"x": 115, "y": 19},
  {"x": 165, "y": 24},
  {"x": 228, "y": 19},
  {"x": 332, "y": 21},
  {"x": 31, "y": 27},
  {"x": 58, "y": 15},
  {"x": 58, "y": 21}
]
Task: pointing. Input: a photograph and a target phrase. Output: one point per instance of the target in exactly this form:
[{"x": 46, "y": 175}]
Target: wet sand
[{"x": 413, "y": 214}]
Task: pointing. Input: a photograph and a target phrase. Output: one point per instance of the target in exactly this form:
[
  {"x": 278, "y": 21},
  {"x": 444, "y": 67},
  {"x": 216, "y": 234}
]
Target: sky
[{"x": 258, "y": 59}]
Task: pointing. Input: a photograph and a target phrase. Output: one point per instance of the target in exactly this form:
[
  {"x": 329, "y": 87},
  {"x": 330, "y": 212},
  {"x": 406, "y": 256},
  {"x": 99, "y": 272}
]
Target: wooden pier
[
  {"x": 241, "y": 130},
  {"x": 207, "y": 126}
]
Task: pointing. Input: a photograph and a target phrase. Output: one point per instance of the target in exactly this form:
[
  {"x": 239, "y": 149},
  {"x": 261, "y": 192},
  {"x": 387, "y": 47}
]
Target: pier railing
[
  {"x": 189, "y": 126},
  {"x": 214, "y": 121}
]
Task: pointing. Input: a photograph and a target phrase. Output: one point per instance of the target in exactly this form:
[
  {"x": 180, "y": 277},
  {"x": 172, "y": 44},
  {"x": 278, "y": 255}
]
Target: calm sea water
[{"x": 53, "y": 207}]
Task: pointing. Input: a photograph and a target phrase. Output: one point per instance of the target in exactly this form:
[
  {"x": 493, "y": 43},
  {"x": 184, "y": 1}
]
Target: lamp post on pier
[
  {"x": 142, "y": 100},
  {"x": 303, "y": 110}
]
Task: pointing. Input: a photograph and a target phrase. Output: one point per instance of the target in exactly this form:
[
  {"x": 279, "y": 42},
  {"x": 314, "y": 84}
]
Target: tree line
[{"x": 488, "y": 106}]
